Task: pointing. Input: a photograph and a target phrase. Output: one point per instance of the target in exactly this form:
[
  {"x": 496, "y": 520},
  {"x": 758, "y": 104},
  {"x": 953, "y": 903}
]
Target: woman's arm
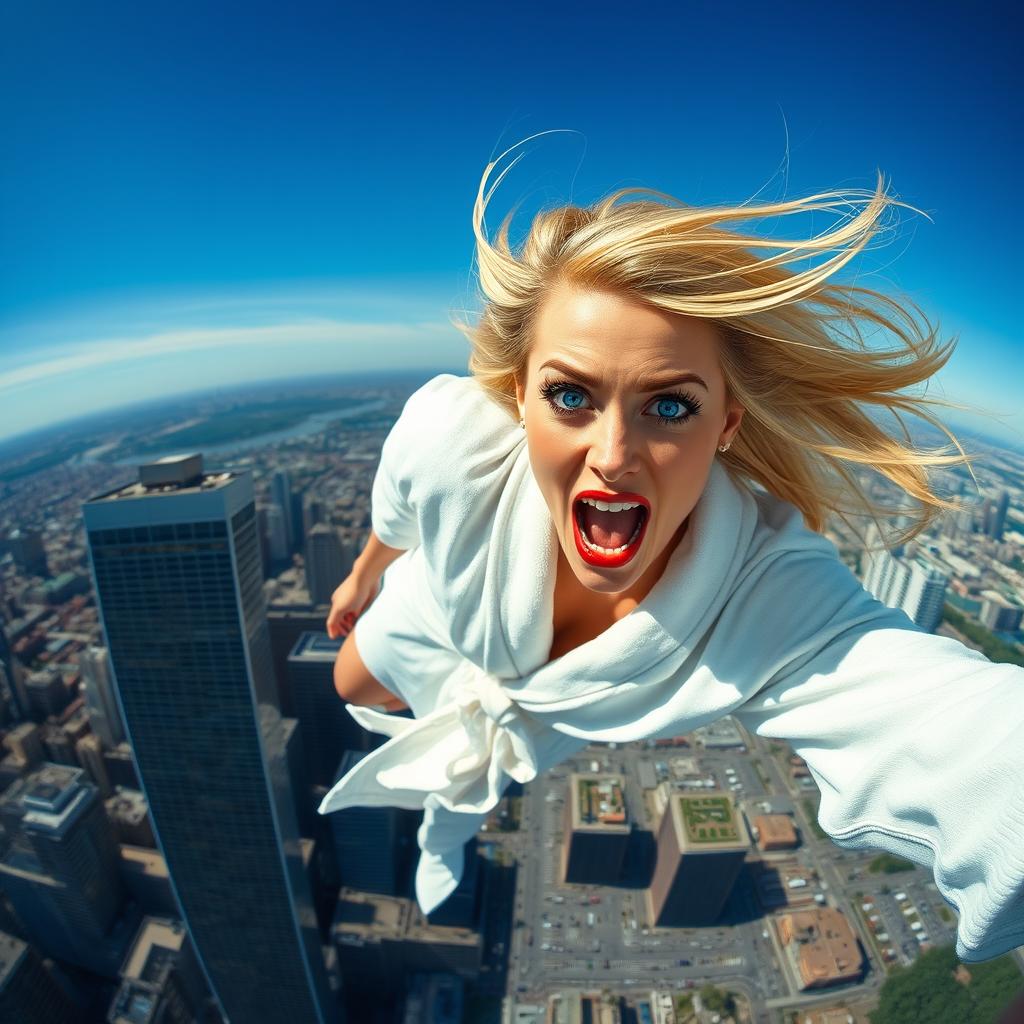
[
  {"x": 915, "y": 741},
  {"x": 375, "y": 558}
]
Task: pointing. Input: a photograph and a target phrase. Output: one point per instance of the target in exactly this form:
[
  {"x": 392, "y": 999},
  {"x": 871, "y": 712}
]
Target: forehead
[{"x": 612, "y": 330}]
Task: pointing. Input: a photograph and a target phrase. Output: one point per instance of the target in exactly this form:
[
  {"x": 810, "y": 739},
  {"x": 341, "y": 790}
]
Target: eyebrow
[{"x": 647, "y": 386}]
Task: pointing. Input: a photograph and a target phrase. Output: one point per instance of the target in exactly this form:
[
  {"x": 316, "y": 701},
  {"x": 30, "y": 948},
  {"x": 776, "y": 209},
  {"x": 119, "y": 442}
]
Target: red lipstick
[{"x": 598, "y": 558}]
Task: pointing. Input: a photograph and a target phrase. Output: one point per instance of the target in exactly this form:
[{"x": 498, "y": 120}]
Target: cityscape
[{"x": 170, "y": 725}]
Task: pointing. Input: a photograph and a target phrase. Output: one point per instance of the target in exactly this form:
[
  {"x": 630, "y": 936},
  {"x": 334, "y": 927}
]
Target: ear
[
  {"x": 733, "y": 419},
  {"x": 521, "y": 395}
]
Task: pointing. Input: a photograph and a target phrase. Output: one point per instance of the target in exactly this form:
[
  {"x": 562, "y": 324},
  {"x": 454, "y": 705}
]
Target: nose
[{"x": 612, "y": 446}]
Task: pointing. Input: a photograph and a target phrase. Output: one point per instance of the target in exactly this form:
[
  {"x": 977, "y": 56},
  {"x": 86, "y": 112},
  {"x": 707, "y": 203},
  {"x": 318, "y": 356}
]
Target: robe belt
[{"x": 458, "y": 752}]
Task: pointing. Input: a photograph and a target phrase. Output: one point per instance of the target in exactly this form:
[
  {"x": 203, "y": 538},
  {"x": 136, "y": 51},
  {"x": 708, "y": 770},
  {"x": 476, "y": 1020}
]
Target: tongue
[{"x": 609, "y": 529}]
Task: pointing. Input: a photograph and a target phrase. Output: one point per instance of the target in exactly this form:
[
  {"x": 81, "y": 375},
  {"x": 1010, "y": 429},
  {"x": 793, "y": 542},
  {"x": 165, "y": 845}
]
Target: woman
[{"x": 611, "y": 531}]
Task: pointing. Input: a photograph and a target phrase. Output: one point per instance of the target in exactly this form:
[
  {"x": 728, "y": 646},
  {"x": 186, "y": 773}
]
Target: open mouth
[{"x": 609, "y": 534}]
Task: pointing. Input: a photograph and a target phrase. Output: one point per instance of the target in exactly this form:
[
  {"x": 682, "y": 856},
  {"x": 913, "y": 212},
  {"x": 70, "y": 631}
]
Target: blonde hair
[{"x": 791, "y": 348}]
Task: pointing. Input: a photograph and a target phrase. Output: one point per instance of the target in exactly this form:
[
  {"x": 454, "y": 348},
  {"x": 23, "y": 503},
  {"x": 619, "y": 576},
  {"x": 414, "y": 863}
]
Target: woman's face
[{"x": 635, "y": 412}]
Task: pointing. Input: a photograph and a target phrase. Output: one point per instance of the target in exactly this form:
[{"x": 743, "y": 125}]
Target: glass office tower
[{"x": 176, "y": 567}]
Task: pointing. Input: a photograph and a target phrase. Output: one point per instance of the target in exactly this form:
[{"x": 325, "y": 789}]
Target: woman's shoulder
[
  {"x": 455, "y": 392},
  {"x": 456, "y": 418},
  {"x": 781, "y": 530}
]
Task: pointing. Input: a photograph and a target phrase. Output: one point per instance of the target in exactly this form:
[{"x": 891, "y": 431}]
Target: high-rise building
[
  {"x": 277, "y": 534},
  {"x": 314, "y": 512},
  {"x": 89, "y": 752},
  {"x": 26, "y": 548},
  {"x": 595, "y": 828},
  {"x": 104, "y": 716},
  {"x": 161, "y": 974},
  {"x": 29, "y": 990},
  {"x": 997, "y": 516},
  {"x": 281, "y": 492},
  {"x": 702, "y": 843},
  {"x": 926, "y": 593},
  {"x": 328, "y": 562},
  {"x": 999, "y": 613},
  {"x": 60, "y": 871},
  {"x": 47, "y": 694},
  {"x": 176, "y": 565},
  {"x": 466, "y": 906},
  {"x": 915, "y": 585},
  {"x": 373, "y": 845},
  {"x": 11, "y": 688},
  {"x": 327, "y": 728}
]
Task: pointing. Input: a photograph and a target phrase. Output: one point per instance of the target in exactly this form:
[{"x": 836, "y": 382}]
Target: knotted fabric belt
[{"x": 457, "y": 753}]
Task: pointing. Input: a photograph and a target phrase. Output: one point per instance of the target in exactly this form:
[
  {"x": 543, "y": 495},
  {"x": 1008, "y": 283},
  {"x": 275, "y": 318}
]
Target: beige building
[
  {"x": 775, "y": 832},
  {"x": 822, "y": 947}
]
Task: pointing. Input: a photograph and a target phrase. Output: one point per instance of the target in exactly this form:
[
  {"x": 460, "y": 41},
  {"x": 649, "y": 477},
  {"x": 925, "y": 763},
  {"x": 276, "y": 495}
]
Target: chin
[{"x": 602, "y": 580}]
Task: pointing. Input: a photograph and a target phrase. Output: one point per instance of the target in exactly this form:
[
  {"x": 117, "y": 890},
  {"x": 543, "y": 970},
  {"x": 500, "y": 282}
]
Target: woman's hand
[{"x": 352, "y": 597}]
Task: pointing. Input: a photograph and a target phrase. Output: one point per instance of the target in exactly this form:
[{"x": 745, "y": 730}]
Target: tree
[{"x": 929, "y": 992}]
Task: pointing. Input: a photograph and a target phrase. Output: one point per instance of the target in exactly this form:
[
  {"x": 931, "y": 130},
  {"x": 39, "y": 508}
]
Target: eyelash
[{"x": 551, "y": 389}]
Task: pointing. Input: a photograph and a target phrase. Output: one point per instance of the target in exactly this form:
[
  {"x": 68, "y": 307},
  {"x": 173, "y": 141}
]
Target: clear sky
[{"x": 194, "y": 194}]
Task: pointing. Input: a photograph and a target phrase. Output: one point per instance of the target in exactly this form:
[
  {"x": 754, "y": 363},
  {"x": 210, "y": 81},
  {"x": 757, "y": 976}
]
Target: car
[{"x": 683, "y": 963}]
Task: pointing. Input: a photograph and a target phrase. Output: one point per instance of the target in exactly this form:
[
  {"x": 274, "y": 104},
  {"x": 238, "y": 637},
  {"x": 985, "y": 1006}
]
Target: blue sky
[{"x": 197, "y": 194}]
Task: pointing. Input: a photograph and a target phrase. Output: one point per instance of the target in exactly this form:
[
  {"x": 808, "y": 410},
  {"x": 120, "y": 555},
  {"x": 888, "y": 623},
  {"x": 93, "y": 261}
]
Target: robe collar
[{"x": 673, "y": 615}]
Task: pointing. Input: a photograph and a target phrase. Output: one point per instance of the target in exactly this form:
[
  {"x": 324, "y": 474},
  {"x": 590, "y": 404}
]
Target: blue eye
[{"x": 551, "y": 390}]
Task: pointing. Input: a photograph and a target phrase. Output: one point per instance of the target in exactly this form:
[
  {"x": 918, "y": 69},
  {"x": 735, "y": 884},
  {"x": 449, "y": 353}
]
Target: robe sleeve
[
  {"x": 915, "y": 741},
  {"x": 408, "y": 458}
]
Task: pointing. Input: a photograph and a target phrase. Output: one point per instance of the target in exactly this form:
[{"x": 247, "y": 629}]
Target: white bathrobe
[{"x": 915, "y": 741}]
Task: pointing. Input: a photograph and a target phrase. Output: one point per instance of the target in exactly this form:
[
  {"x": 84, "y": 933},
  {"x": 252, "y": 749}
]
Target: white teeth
[
  {"x": 613, "y": 506},
  {"x": 611, "y": 551}
]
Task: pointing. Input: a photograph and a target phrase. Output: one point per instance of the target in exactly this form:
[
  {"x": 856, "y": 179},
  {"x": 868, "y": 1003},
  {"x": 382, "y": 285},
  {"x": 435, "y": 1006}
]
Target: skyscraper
[
  {"x": 327, "y": 728},
  {"x": 702, "y": 843},
  {"x": 281, "y": 491},
  {"x": 11, "y": 689},
  {"x": 277, "y": 535},
  {"x": 373, "y": 845},
  {"x": 60, "y": 871},
  {"x": 997, "y": 517},
  {"x": 915, "y": 585},
  {"x": 176, "y": 566},
  {"x": 104, "y": 716},
  {"x": 595, "y": 828},
  {"x": 328, "y": 562},
  {"x": 926, "y": 593}
]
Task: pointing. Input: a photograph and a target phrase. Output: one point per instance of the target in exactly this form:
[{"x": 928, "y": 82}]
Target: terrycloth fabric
[{"x": 914, "y": 740}]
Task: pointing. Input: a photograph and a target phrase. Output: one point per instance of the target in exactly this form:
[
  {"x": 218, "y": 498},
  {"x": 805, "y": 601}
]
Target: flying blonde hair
[{"x": 791, "y": 347}]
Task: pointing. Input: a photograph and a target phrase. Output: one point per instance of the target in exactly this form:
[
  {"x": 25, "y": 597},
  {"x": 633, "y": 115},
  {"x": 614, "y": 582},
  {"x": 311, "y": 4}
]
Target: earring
[
  {"x": 724, "y": 447},
  {"x": 522, "y": 423}
]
